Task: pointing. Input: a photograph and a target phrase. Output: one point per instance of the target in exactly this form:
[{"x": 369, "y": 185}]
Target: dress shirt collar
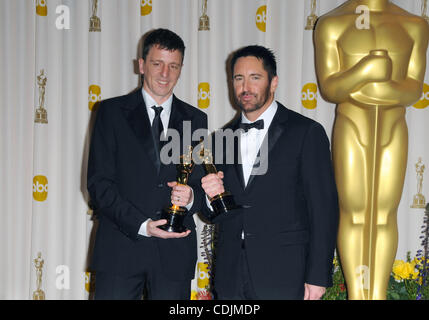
[
  {"x": 267, "y": 116},
  {"x": 150, "y": 102}
]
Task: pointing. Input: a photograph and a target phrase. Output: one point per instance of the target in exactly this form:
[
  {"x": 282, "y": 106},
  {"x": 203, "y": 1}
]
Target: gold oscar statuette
[
  {"x": 223, "y": 203},
  {"x": 419, "y": 201},
  {"x": 204, "y": 24},
  {"x": 38, "y": 262},
  {"x": 176, "y": 214},
  {"x": 312, "y": 18},
  {"x": 94, "y": 21},
  {"x": 41, "y": 115},
  {"x": 372, "y": 68},
  {"x": 425, "y": 10}
]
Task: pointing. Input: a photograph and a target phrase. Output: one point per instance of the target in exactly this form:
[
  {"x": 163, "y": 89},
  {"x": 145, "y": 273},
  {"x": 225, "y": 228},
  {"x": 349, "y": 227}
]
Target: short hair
[
  {"x": 165, "y": 39},
  {"x": 259, "y": 52}
]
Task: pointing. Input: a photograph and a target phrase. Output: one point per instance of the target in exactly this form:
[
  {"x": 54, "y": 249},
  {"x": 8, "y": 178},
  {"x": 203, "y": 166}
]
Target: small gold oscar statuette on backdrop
[
  {"x": 38, "y": 262},
  {"x": 425, "y": 10},
  {"x": 176, "y": 214},
  {"x": 419, "y": 201},
  {"x": 204, "y": 19},
  {"x": 41, "y": 115},
  {"x": 94, "y": 21},
  {"x": 311, "y": 19}
]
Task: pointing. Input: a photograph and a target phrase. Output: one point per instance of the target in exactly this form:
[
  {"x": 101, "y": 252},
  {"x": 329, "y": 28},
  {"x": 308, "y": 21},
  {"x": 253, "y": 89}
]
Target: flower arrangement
[
  {"x": 338, "y": 290},
  {"x": 406, "y": 281}
]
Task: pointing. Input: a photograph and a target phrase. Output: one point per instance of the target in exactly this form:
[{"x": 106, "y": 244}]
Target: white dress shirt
[
  {"x": 165, "y": 118},
  {"x": 251, "y": 140},
  {"x": 166, "y": 108}
]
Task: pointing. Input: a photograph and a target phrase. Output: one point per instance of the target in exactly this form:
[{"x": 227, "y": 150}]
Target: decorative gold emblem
[
  {"x": 38, "y": 262},
  {"x": 94, "y": 21},
  {"x": 419, "y": 201},
  {"x": 312, "y": 18},
  {"x": 41, "y": 113},
  {"x": 204, "y": 19},
  {"x": 425, "y": 10}
]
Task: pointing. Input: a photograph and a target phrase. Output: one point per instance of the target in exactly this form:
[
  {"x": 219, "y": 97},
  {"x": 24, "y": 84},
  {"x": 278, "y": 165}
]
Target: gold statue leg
[
  {"x": 370, "y": 170},
  {"x": 391, "y": 162},
  {"x": 349, "y": 159}
]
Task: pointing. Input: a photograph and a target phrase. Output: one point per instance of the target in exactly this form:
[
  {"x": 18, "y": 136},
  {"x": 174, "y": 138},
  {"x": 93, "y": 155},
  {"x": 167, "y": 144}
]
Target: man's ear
[
  {"x": 141, "y": 63},
  {"x": 274, "y": 84}
]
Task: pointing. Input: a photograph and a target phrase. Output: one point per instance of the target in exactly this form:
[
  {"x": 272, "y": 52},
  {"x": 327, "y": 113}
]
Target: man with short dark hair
[
  {"x": 281, "y": 244},
  {"x": 129, "y": 183}
]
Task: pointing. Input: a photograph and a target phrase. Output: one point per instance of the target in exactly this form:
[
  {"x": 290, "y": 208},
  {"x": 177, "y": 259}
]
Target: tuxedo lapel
[
  {"x": 238, "y": 166},
  {"x": 177, "y": 116},
  {"x": 275, "y": 130},
  {"x": 139, "y": 122}
]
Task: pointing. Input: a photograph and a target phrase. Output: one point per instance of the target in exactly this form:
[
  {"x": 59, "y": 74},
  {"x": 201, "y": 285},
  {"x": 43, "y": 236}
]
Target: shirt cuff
[
  {"x": 190, "y": 204},
  {"x": 143, "y": 229},
  {"x": 208, "y": 203}
]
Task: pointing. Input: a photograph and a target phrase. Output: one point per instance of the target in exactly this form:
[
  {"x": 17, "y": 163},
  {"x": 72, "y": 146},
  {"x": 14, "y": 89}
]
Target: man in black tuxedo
[
  {"x": 129, "y": 183},
  {"x": 281, "y": 244}
]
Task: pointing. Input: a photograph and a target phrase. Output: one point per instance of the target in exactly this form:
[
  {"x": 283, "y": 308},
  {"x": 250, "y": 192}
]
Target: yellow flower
[
  {"x": 404, "y": 270},
  {"x": 194, "y": 295},
  {"x": 336, "y": 262}
]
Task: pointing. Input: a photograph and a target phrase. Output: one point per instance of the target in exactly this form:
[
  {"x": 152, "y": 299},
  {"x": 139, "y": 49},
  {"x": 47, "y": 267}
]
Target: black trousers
[
  {"x": 154, "y": 287},
  {"x": 151, "y": 283},
  {"x": 244, "y": 288}
]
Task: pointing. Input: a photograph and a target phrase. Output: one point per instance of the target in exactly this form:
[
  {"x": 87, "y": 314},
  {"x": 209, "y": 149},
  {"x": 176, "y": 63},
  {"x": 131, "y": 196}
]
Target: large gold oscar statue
[{"x": 370, "y": 60}]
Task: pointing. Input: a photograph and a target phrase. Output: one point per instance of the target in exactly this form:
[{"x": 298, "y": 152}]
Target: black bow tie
[{"x": 257, "y": 124}]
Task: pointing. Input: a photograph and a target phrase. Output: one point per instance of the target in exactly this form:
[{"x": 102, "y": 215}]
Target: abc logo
[
  {"x": 203, "y": 275},
  {"x": 204, "y": 95},
  {"x": 145, "y": 7},
  {"x": 42, "y": 7},
  {"x": 309, "y": 96},
  {"x": 40, "y": 188},
  {"x": 94, "y": 96},
  {"x": 424, "y": 101},
  {"x": 261, "y": 18}
]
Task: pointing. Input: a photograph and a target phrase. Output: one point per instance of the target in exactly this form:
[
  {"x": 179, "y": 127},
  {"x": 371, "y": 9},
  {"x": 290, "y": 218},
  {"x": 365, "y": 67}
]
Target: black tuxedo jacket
[
  {"x": 127, "y": 188},
  {"x": 291, "y": 221}
]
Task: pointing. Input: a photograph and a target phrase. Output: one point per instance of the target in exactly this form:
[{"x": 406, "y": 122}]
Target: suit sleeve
[
  {"x": 102, "y": 181},
  {"x": 322, "y": 206}
]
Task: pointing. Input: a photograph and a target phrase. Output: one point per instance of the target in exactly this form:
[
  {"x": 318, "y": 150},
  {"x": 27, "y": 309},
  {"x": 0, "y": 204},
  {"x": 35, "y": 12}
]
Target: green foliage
[{"x": 404, "y": 287}]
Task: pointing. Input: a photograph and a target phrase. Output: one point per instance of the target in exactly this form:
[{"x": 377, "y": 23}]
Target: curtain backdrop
[{"x": 53, "y": 70}]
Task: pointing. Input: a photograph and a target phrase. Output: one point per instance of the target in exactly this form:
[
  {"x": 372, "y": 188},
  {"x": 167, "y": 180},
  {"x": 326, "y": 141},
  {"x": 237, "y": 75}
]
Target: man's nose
[
  {"x": 245, "y": 85},
  {"x": 165, "y": 71}
]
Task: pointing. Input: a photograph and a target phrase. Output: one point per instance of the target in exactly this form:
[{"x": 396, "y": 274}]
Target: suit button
[{"x": 161, "y": 185}]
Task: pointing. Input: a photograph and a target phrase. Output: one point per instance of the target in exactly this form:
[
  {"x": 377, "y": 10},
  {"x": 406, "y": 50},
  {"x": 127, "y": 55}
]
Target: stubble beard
[{"x": 256, "y": 106}]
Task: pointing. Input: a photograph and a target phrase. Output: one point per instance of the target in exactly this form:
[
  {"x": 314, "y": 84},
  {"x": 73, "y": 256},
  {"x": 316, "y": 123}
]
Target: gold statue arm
[
  {"x": 372, "y": 80},
  {"x": 406, "y": 91},
  {"x": 401, "y": 93},
  {"x": 337, "y": 85}
]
